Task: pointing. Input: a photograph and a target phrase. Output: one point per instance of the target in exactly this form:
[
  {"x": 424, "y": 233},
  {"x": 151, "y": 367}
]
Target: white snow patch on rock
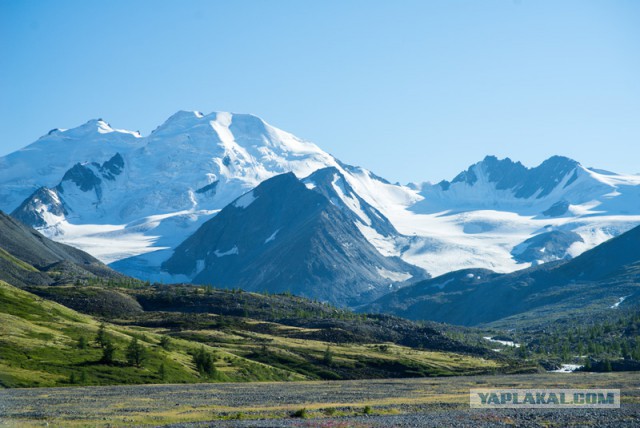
[
  {"x": 620, "y": 300},
  {"x": 231, "y": 252},
  {"x": 245, "y": 200},
  {"x": 199, "y": 266},
  {"x": 272, "y": 237},
  {"x": 385, "y": 245},
  {"x": 393, "y": 276},
  {"x": 444, "y": 284}
]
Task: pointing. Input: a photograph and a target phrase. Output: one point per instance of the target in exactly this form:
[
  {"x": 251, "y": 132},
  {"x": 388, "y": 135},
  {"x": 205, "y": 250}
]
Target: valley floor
[{"x": 361, "y": 403}]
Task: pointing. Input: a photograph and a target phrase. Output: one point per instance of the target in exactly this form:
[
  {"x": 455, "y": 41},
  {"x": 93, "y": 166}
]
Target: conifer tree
[{"x": 136, "y": 353}]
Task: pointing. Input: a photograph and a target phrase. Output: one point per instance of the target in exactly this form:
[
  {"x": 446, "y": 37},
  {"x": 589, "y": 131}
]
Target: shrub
[
  {"x": 203, "y": 361},
  {"x": 301, "y": 413}
]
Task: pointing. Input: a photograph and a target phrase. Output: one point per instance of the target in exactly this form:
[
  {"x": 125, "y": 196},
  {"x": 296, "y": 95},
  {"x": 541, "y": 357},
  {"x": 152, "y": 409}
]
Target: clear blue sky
[{"x": 413, "y": 90}]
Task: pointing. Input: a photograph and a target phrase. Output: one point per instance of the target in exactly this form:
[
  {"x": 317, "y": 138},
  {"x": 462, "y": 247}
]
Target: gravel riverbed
[{"x": 432, "y": 402}]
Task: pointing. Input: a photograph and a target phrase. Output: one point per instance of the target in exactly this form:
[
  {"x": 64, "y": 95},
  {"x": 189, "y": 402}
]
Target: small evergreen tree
[
  {"x": 136, "y": 353},
  {"x": 162, "y": 372},
  {"x": 204, "y": 362},
  {"x": 108, "y": 352},
  {"x": 522, "y": 351},
  {"x": 101, "y": 336},
  {"x": 165, "y": 343},
  {"x": 82, "y": 342},
  {"x": 328, "y": 356}
]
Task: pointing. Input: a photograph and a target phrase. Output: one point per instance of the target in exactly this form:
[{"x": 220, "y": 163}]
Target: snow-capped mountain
[
  {"x": 559, "y": 186},
  {"x": 502, "y": 216},
  {"x": 596, "y": 282},
  {"x": 285, "y": 236},
  {"x": 118, "y": 195},
  {"x": 43, "y": 163},
  {"x": 131, "y": 200}
]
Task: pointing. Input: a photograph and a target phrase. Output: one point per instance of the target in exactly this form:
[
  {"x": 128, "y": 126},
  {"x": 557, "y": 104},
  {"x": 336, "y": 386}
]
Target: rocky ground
[{"x": 376, "y": 403}]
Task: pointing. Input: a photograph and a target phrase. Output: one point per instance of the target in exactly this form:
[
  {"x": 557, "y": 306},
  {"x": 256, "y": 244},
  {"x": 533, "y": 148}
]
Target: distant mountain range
[
  {"x": 602, "y": 279},
  {"x": 181, "y": 205}
]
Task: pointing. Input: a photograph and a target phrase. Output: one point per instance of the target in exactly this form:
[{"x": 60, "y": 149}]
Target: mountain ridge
[
  {"x": 285, "y": 237},
  {"x": 597, "y": 279},
  {"x": 497, "y": 214}
]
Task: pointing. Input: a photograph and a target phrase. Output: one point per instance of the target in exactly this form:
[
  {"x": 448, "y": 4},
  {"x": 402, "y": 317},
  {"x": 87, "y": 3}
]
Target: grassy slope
[
  {"x": 38, "y": 347},
  {"x": 17, "y": 262}
]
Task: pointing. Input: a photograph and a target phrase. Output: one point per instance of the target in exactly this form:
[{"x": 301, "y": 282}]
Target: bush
[
  {"x": 302, "y": 413},
  {"x": 203, "y": 361},
  {"x": 165, "y": 343}
]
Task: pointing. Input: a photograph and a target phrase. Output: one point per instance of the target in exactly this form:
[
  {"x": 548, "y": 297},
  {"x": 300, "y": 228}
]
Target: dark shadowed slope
[
  {"x": 596, "y": 280},
  {"x": 26, "y": 256},
  {"x": 285, "y": 237}
]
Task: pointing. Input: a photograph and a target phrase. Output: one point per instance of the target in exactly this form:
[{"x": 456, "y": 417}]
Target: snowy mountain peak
[
  {"x": 511, "y": 179},
  {"x": 91, "y": 127},
  {"x": 124, "y": 197},
  {"x": 184, "y": 120},
  {"x": 525, "y": 182},
  {"x": 179, "y": 120}
]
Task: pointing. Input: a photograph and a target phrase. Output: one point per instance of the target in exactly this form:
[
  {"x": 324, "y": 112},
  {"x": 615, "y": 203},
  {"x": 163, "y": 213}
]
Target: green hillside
[{"x": 40, "y": 345}]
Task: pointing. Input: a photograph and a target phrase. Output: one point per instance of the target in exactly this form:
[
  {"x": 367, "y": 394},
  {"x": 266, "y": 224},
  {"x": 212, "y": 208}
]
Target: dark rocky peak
[
  {"x": 546, "y": 177},
  {"x": 29, "y": 211},
  {"x": 113, "y": 167},
  {"x": 525, "y": 182},
  {"x": 88, "y": 176},
  {"x": 504, "y": 172},
  {"x": 499, "y": 171},
  {"x": 283, "y": 236},
  {"x": 323, "y": 182},
  {"x": 324, "y": 178},
  {"x": 83, "y": 176}
]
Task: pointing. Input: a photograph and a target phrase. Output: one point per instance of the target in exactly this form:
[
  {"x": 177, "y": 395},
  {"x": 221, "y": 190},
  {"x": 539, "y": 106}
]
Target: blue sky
[{"x": 413, "y": 90}]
